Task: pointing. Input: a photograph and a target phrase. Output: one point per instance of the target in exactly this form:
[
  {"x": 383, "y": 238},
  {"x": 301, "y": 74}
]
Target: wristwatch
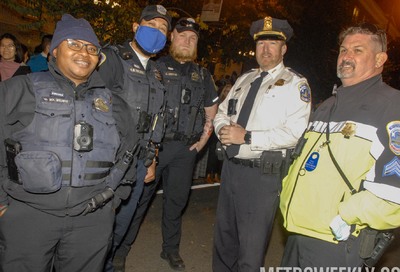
[{"x": 247, "y": 137}]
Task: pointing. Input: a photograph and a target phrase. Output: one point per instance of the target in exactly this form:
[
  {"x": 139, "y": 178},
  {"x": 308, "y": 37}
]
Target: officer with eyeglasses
[
  {"x": 190, "y": 108},
  {"x": 342, "y": 193},
  {"x": 62, "y": 155}
]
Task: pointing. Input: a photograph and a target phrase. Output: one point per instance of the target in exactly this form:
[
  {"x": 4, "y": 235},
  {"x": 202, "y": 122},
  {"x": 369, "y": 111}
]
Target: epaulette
[
  {"x": 295, "y": 72},
  {"x": 249, "y": 71},
  {"x": 125, "y": 53}
]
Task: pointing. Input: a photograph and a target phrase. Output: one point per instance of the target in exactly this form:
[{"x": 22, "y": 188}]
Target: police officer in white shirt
[{"x": 257, "y": 134}]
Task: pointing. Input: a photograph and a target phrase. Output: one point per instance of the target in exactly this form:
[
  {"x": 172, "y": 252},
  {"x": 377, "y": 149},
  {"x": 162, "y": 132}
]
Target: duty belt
[{"x": 247, "y": 162}]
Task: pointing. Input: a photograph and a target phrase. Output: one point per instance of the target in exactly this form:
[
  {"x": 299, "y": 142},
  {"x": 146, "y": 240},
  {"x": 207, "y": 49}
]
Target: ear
[
  {"x": 55, "y": 51},
  {"x": 284, "y": 49},
  {"x": 380, "y": 59},
  {"x": 172, "y": 36},
  {"x": 134, "y": 27}
]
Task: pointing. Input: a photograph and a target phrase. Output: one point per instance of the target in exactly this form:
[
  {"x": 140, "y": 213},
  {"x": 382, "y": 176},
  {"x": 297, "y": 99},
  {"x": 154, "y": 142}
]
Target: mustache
[{"x": 346, "y": 62}]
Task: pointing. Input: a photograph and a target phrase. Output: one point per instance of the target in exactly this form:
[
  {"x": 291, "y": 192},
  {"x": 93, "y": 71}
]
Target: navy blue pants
[
  {"x": 246, "y": 210},
  {"x": 125, "y": 213},
  {"x": 175, "y": 168},
  {"x": 30, "y": 240}
]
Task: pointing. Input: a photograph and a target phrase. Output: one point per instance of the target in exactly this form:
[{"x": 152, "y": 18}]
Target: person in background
[
  {"x": 11, "y": 57},
  {"x": 191, "y": 106},
  {"x": 128, "y": 70},
  {"x": 345, "y": 182},
  {"x": 63, "y": 139},
  {"x": 258, "y": 124},
  {"x": 38, "y": 62}
]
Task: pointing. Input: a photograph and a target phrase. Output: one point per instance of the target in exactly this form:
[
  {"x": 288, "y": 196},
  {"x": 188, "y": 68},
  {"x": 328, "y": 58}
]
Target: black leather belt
[{"x": 249, "y": 163}]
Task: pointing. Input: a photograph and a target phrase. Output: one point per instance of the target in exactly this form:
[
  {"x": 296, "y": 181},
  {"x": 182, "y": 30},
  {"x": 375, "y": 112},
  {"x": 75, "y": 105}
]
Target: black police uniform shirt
[
  {"x": 190, "y": 80},
  {"x": 140, "y": 86},
  {"x": 17, "y": 110}
]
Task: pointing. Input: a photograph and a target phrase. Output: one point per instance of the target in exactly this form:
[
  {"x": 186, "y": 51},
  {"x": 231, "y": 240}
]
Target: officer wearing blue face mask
[{"x": 128, "y": 71}]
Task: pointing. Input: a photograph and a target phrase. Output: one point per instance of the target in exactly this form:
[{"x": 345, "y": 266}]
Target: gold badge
[
  {"x": 349, "y": 130},
  {"x": 267, "y": 23},
  {"x": 280, "y": 82},
  {"x": 101, "y": 105},
  {"x": 195, "y": 76}
]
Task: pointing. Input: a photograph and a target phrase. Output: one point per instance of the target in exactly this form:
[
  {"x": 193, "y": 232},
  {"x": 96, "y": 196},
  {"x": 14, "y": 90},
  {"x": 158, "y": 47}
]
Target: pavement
[{"x": 197, "y": 237}]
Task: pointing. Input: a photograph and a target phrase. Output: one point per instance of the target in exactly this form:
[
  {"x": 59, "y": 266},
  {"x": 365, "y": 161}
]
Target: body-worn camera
[
  {"x": 232, "y": 107},
  {"x": 144, "y": 123},
  {"x": 186, "y": 96},
  {"x": 83, "y": 137}
]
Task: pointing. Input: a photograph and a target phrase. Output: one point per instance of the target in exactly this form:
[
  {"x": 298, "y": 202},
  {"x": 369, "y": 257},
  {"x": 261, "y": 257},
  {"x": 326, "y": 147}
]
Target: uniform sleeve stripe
[{"x": 383, "y": 191}]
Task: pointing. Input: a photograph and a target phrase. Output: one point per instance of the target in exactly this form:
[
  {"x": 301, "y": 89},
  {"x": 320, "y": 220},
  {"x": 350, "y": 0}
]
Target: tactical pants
[
  {"x": 31, "y": 240},
  {"x": 175, "y": 168},
  {"x": 246, "y": 210},
  {"x": 302, "y": 251}
]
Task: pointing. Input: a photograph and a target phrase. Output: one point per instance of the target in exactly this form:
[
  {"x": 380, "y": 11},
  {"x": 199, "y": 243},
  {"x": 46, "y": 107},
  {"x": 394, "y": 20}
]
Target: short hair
[
  {"x": 378, "y": 35},
  {"x": 46, "y": 39}
]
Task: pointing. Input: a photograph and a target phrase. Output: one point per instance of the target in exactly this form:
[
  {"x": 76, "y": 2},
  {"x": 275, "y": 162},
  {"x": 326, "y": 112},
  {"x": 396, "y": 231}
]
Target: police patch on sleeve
[
  {"x": 305, "y": 92},
  {"x": 393, "y": 129}
]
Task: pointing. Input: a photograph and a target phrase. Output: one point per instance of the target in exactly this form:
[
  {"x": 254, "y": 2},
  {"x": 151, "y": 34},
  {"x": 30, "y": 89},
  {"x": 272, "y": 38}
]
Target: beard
[
  {"x": 343, "y": 72},
  {"x": 182, "y": 56}
]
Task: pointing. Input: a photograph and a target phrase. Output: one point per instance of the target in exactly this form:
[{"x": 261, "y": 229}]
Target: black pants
[
  {"x": 30, "y": 240},
  {"x": 175, "y": 168},
  {"x": 246, "y": 210},
  {"x": 302, "y": 251}
]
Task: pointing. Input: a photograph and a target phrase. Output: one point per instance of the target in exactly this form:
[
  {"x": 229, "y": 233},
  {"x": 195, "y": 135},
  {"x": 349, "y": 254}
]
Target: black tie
[{"x": 245, "y": 111}]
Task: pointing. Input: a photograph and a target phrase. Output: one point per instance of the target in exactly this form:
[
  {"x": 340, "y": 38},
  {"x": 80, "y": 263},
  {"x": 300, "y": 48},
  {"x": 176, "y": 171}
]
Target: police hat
[
  {"x": 156, "y": 11},
  {"x": 271, "y": 29},
  {"x": 185, "y": 24}
]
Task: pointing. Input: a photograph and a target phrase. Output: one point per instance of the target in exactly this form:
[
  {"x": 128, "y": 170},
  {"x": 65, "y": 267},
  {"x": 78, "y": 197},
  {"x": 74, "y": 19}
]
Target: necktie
[{"x": 245, "y": 111}]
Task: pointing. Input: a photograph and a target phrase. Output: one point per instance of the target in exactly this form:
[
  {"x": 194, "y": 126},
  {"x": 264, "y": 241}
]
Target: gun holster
[{"x": 373, "y": 244}]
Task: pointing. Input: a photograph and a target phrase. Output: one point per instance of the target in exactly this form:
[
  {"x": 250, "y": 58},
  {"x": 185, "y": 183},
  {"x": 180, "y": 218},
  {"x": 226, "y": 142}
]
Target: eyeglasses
[
  {"x": 186, "y": 23},
  {"x": 77, "y": 46},
  {"x": 374, "y": 30},
  {"x": 8, "y": 46}
]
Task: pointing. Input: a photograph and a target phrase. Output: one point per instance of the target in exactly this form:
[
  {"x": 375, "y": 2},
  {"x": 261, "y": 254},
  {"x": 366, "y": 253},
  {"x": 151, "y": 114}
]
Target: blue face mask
[{"x": 150, "y": 39}]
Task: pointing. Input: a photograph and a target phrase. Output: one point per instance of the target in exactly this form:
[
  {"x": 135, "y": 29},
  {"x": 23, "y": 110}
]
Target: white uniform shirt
[{"x": 280, "y": 112}]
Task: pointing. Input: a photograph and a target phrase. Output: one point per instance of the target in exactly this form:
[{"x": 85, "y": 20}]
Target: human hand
[
  {"x": 339, "y": 228},
  {"x": 151, "y": 172},
  {"x": 232, "y": 134},
  {"x": 3, "y": 209}
]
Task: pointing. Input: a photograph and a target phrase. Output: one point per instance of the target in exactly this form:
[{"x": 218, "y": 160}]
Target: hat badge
[{"x": 267, "y": 23}]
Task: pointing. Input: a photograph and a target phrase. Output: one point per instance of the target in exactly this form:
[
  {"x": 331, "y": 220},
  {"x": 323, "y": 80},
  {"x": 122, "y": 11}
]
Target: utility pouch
[
  {"x": 12, "y": 149},
  {"x": 271, "y": 162},
  {"x": 158, "y": 128},
  {"x": 144, "y": 122},
  {"x": 373, "y": 244}
]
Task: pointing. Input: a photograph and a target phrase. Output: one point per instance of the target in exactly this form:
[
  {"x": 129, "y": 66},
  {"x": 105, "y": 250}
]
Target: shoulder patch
[
  {"x": 305, "y": 92},
  {"x": 295, "y": 72},
  {"x": 393, "y": 129}
]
